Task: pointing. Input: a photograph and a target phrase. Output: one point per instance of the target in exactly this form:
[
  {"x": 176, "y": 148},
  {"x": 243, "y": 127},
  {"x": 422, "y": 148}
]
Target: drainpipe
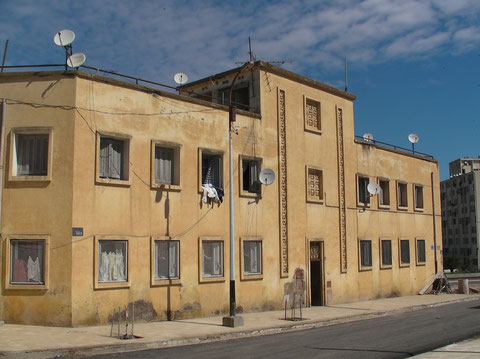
[
  {"x": 434, "y": 224},
  {"x": 2, "y": 145}
]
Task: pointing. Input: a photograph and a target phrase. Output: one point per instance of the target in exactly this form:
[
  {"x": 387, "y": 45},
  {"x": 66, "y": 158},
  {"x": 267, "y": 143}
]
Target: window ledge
[
  {"x": 248, "y": 277},
  {"x": 384, "y": 206},
  {"x": 46, "y": 178},
  {"x": 418, "y": 209},
  {"x": 313, "y": 200},
  {"x": 404, "y": 265},
  {"x": 365, "y": 268},
  {"x": 166, "y": 187},
  {"x": 421, "y": 264},
  {"x": 166, "y": 282},
  {"x": 113, "y": 182},
  {"x": 250, "y": 194},
  {"x": 402, "y": 208},
  {"x": 36, "y": 287},
  {"x": 387, "y": 266},
  {"x": 313, "y": 130},
  {"x": 212, "y": 279},
  {"x": 112, "y": 285}
]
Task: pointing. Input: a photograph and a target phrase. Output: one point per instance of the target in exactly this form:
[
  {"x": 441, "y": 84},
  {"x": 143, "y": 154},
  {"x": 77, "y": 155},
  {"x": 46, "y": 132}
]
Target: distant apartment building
[{"x": 460, "y": 216}]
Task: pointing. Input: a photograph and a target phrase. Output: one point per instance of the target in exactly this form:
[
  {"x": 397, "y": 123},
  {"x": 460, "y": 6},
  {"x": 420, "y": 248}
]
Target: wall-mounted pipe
[{"x": 2, "y": 146}]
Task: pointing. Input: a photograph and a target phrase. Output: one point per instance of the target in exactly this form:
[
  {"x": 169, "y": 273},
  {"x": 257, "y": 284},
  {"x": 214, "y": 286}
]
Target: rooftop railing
[{"x": 395, "y": 147}]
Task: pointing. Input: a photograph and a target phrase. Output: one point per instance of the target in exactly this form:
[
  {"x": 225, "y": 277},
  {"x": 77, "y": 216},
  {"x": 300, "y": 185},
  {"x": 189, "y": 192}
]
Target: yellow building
[{"x": 105, "y": 202}]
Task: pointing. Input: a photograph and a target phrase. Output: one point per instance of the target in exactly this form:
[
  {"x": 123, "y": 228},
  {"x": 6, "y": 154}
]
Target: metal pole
[
  {"x": 232, "y": 220},
  {"x": 4, "y": 54},
  {"x": 2, "y": 146},
  {"x": 434, "y": 223}
]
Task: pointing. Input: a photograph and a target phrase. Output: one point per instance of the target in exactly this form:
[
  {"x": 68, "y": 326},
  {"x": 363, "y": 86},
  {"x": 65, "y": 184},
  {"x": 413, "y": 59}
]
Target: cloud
[{"x": 155, "y": 39}]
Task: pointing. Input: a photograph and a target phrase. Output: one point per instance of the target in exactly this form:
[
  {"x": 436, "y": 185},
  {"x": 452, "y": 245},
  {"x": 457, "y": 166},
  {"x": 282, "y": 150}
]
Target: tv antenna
[
  {"x": 368, "y": 137},
  {"x": 413, "y": 138}
]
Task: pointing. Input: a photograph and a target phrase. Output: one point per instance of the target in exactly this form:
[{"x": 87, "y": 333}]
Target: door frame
[{"x": 308, "y": 241}]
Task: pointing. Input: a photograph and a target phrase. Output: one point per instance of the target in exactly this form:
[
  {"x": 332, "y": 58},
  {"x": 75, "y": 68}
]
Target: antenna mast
[{"x": 346, "y": 75}]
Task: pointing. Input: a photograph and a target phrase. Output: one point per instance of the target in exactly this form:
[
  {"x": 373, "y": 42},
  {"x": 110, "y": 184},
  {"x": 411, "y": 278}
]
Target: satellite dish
[
  {"x": 267, "y": 176},
  {"x": 180, "y": 78},
  {"x": 413, "y": 138},
  {"x": 64, "y": 38},
  {"x": 76, "y": 60},
  {"x": 373, "y": 188},
  {"x": 368, "y": 137}
]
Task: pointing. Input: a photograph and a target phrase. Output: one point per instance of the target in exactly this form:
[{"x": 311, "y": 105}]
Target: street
[{"x": 396, "y": 336}]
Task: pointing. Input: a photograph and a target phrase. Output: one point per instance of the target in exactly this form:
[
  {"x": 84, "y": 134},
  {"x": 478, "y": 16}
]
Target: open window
[
  {"x": 363, "y": 198},
  {"x": 402, "y": 195},
  {"x": 211, "y": 168},
  {"x": 250, "y": 171},
  {"x": 384, "y": 195}
]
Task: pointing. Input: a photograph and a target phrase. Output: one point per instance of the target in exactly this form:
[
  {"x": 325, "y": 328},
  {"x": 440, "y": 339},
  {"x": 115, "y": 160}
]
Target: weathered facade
[
  {"x": 460, "y": 214},
  {"x": 103, "y": 204}
]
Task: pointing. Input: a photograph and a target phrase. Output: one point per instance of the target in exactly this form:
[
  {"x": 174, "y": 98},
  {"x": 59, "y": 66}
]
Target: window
[
  {"x": 165, "y": 165},
  {"x": 365, "y": 254},
  {"x": 240, "y": 97},
  {"x": 314, "y": 184},
  {"x": 250, "y": 171},
  {"x": 363, "y": 197},
  {"x": 421, "y": 256},
  {"x": 31, "y": 154},
  {"x": 404, "y": 252},
  {"x": 212, "y": 258},
  {"x": 113, "y": 158},
  {"x": 418, "y": 197},
  {"x": 211, "y": 166},
  {"x": 402, "y": 199},
  {"x": 384, "y": 195},
  {"x": 112, "y": 261},
  {"x": 312, "y": 115},
  {"x": 252, "y": 257},
  {"x": 386, "y": 253},
  {"x": 27, "y": 261},
  {"x": 167, "y": 259}
]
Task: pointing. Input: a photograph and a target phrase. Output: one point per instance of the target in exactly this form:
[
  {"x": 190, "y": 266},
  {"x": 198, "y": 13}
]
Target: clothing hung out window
[
  {"x": 212, "y": 169},
  {"x": 250, "y": 176},
  {"x": 252, "y": 257},
  {"x": 27, "y": 261},
  {"x": 164, "y": 165},
  {"x": 212, "y": 258},
  {"x": 111, "y": 158},
  {"x": 167, "y": 259},
  {"x": 32, "y": 154},
  {"x": 112, "y": 261}
]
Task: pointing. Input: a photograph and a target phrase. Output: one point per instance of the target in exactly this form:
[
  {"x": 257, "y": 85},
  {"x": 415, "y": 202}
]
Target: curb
[{"x": 87, "y": 350}]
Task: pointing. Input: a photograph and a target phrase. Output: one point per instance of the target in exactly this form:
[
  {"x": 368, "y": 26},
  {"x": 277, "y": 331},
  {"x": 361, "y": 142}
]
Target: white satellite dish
[
  {"x": 413, "y": 138},
  {"x": 373, "y": 188},
  {"x": 76, "y": 60},
  {"x": 180, "y": 78},
  {"x": 368, "y": 137},
  {"x": 64, "y": 38},
  {"x": 267, "y": 176}
]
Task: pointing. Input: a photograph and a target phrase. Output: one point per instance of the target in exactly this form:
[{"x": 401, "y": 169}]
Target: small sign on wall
[{"x": 77, "y": 231}]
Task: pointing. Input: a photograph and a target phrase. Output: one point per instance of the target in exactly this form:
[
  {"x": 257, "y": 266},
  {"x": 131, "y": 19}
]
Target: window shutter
[
  {"x": 116, "y": 153},
  {"x": 104, "y": 160},
  {"x": 253, "y": 172}
]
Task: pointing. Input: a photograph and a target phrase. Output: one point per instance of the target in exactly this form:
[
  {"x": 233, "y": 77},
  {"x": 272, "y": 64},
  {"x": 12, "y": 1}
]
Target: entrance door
[{"x": 316, "y": 281}]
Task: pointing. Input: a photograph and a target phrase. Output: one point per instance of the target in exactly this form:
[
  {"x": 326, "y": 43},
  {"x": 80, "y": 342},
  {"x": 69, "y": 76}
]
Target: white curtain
[{"x": 112, "y": 267}]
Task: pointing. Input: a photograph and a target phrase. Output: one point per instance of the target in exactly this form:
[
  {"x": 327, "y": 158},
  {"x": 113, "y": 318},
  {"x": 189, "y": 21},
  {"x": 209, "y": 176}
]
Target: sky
[{"x": 414, "y": 65}]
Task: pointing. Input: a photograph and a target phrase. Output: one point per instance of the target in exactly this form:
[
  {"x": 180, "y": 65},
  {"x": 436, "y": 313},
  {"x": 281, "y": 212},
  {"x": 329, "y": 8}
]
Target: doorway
[{"x": 316, "y": 273}]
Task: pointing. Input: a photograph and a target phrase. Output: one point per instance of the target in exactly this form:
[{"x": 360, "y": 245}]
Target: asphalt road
[{"x": 397, "y": 336}]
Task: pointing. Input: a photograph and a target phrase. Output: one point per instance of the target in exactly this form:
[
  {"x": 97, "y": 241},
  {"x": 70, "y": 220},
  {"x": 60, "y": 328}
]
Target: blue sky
[{"x": 414, "y": 65}]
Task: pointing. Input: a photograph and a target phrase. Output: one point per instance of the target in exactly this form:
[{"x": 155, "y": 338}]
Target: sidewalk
[{"x": 28, "y": 341}]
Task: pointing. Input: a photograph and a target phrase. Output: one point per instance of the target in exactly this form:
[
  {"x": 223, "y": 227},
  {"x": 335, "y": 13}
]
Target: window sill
[
  {"x": 313, "y": 130},
  {"x": 314, "y": 200},
  {"x": 212, "y": 279},
  {"x": 112, "y": 285},
  {"x": 402, "y": 208},
  {"x": 421, "y": 264},
  {"x": 250, "y": 194},
  {"x": 363, "y": 205},
  {"x": 418, "y": 209},
  {"x": 248, "y": 277},
  {"x": 113, "y": 182},
  {"x": 165, "y": 282},
  {"x": 166, "y": 187},
  {"x": 404, "y": 265},
  {"x": 365, "y": 268},
  {"x": 46, "y": 178},
  {"x": 387, "y": 266},
  {"x": 384, "y": 206},
  {"x": 10, "y": 286}
]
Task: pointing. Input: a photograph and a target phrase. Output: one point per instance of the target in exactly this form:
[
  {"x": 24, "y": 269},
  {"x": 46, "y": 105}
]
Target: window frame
[
  {"x": 364, "y": 267},
  {"x": 250, "y": 276},
  {"x": 208, "y": 151},
  {"x": 382, "y": 193},
  {"x": 415, "y": 202},
  {"x": 400, "y": 204},
  {"x": 177, "y": 163},
  {"x": 400, "y": 251},
  {"x": 46, "y": 262},
  {"x": 417, "y": 257},
  {"x": 110, "y": 285},
  {"x": 259, "y": 161},
  {"x": 154, "y": 281},
  {"x": 382, "y": 264},
  {"x": 12, "y": 173},
  {"x": 367, "y": 196},
  {"x": 210, "y": 279},
  {"x": 318, "y": 105},
  {"x": 126, "y": 177},
  {"x": 309, "y": 197}
]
